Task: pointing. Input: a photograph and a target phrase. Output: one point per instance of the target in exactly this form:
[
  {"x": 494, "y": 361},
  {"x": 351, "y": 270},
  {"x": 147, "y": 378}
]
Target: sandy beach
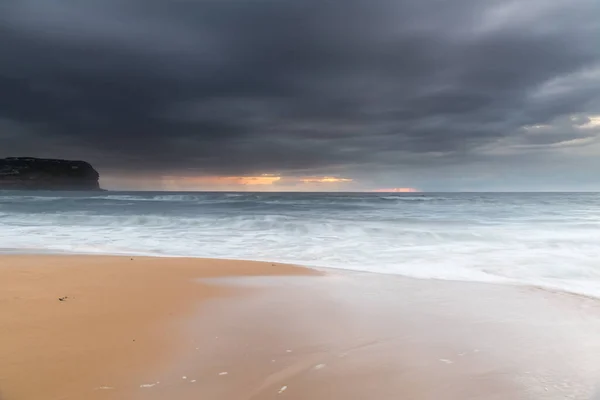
[
  {"x": 100, "y": 327},
  {"x": 115, "y": 321}
]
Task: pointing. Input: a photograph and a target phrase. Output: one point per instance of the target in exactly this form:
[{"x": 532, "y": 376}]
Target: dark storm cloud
[{"x": 250, "y": 86}]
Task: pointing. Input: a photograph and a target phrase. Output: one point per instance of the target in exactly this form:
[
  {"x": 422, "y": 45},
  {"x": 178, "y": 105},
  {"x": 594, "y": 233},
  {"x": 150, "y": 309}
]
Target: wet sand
[
  {"x": 116, "y": 322},
  {"x": 221, "y": 330}
]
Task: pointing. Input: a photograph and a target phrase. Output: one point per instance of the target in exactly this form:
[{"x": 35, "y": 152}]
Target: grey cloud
[{"x": 224, "y": 86}]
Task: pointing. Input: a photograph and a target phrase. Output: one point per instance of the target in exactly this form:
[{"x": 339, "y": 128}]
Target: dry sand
[{"x": 157, "y": 329}]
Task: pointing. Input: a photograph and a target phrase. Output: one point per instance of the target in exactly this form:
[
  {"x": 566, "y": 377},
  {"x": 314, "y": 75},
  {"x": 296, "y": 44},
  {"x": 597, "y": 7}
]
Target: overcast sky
[{"x": 307, "y": 94}]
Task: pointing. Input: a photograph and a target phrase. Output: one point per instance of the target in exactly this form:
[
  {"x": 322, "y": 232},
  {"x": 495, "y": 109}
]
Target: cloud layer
[{"x": 353, "y": 88}]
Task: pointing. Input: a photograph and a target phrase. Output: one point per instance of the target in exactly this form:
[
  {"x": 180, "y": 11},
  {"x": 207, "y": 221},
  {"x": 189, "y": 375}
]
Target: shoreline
[
  {"x": 319, "y": 269},
  {"x": 223, "y": 329}
]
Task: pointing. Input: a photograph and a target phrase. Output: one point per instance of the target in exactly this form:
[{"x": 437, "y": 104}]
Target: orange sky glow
[
  {"x": 265, "y": 182},
  {"x": 325, "y": 179},
  {"x": 397, "y": 190}
]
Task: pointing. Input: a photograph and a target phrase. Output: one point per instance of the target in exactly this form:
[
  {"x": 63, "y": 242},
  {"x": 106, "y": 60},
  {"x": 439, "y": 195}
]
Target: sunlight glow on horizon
[
  {"x": 221, "y": 180},
  {"x": 325, "y": 179},
  {"x": 263, "y": 182},
  {"x": 397, "y": 190}
]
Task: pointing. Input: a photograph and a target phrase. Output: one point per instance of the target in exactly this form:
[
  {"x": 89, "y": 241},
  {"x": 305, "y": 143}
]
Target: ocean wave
[
  {"x": 12, "y": 199},
  {"x": 412, "y": 198},
  {"x": 547, "y": 241}
]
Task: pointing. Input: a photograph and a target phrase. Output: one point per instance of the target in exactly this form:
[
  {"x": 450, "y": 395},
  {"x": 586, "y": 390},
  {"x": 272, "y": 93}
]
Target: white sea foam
[{"x": 546, "y": 240}]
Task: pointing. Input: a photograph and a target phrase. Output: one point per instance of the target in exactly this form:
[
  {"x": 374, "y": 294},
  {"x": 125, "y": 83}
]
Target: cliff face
[{"x": 26, "y": 173}]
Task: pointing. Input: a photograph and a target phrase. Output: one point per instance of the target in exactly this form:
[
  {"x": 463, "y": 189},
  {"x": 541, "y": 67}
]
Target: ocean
[{"x": 550, "y": 240}]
